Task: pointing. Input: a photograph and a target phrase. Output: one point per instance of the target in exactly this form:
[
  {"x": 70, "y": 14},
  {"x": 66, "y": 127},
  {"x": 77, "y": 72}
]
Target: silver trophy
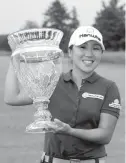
[{"x": 37, "y": 61}]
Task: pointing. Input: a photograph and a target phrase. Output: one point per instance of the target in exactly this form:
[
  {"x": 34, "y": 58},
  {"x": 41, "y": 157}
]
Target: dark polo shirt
[{"x": 80, "y": 109}]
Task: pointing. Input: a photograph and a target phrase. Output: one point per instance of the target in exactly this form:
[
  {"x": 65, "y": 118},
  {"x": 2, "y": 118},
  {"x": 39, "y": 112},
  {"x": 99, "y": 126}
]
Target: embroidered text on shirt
[
  {"x": 115, "y": 104},
  {"x": 86, "y": 94}
]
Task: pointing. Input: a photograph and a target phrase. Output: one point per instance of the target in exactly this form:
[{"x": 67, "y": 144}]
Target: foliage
[
  {"x": 30, "y": 24},
  {"x": 3, "y": 38},
  {"x": 58, "y": 17},
  {"x": 111, "y": 22},
  {"x": 4, "y": 43}
]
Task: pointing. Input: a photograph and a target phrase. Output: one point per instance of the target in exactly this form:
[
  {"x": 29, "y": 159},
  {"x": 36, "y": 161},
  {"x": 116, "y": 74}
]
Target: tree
[
  {"x": 111, "y": 22},
  {"x": 75, "y": 22},
  {"x": 58, "y": 17},
  {"x": 4, "y": 43},
  {"x": 3, "y": 38},
  {"x": 30, "y": 24}
]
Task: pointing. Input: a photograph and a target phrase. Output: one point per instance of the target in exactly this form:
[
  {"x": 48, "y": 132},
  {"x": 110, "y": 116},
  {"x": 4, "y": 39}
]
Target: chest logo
[
  {"x": 86, "y": 95},
  {"x": 115, "y": 104}
]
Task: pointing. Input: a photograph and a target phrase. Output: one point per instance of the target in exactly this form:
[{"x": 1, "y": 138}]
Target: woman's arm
[
  {"x": 108, "y": 118},
  {"x": 13, "y": 92},
  {"x": 100, "y": 135}
]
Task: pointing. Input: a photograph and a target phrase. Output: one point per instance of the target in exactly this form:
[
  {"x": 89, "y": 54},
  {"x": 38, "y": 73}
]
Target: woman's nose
[{"x": 88, "y": 53}]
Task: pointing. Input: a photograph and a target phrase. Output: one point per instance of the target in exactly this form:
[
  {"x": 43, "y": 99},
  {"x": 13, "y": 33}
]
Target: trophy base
[{"x": 40, "y": 127}]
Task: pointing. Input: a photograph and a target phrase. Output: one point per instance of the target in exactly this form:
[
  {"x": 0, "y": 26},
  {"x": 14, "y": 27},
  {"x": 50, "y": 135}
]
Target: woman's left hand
[{"x": 60, "y": 127}]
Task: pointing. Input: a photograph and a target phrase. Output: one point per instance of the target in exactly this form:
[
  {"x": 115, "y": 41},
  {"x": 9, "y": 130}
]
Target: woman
[{"x": 85, "y": 106}]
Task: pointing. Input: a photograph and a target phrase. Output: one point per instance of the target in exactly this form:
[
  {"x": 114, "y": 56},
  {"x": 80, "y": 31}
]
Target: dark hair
[{"x": 71, "y": 47}]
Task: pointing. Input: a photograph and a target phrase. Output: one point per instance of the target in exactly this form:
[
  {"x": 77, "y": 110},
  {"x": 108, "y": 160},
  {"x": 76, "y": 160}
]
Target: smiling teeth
[{"x": 88, "y": 62}]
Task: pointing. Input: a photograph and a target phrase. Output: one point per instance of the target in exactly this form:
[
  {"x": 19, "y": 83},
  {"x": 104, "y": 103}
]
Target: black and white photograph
[{"x": 62, "y": 81}]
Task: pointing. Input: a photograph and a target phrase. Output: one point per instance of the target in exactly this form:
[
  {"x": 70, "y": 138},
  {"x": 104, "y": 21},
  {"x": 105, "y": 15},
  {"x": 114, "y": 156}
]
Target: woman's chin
[{"x": 87, "y": 69}]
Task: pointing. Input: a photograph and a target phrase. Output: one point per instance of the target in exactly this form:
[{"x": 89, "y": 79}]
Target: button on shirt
[{"x": 80, "y": 109}]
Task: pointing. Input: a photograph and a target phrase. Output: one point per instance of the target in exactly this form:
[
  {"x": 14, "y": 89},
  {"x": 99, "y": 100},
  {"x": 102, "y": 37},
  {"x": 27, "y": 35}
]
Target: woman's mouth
[{"x": 88, "y": 62}]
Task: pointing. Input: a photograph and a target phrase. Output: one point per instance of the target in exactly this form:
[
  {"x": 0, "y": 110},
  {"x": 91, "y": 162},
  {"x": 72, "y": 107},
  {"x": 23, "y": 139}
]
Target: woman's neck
[{"x": 78, "y": 75}]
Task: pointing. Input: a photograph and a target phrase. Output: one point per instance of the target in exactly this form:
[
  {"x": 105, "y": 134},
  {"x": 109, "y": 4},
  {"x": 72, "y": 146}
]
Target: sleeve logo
[
  {"x": 86, "y": 95},
  {"x": 115, "y": 104}
]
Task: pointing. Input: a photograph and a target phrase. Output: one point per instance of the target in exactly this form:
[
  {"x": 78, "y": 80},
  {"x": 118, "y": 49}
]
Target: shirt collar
[{"x": 91, "y": 79}]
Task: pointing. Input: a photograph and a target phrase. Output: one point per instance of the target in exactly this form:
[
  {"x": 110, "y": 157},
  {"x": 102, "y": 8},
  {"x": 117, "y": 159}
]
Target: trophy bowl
[{"x": 37, "y": 62}]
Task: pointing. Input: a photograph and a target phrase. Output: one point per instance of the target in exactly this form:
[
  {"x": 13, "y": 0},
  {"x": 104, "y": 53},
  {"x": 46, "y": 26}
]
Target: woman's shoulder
[{"x": 106, "y": 81}]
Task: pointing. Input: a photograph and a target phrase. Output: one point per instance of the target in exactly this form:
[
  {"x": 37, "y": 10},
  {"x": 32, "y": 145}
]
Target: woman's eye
[
  {"x": 83, "y": 47},
  {"x": 96, "y": 48}
]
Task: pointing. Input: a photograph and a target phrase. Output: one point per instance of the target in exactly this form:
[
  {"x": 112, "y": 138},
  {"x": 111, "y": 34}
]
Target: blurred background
[{"x": 108, "y": 16}]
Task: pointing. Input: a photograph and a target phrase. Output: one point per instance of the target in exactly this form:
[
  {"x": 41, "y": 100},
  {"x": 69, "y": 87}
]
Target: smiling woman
[
  {"x": 87, "y": 56},
  {"x": 85, "y": 50},
  {"x": 81, "y": 104},
  {"x": 85, "y": 106}
]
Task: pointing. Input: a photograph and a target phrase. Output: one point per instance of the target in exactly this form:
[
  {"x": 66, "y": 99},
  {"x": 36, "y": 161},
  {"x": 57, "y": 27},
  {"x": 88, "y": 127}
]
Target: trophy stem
[
  {"x": 42, "y": 118},
  {"x": 42, "y": 110}
]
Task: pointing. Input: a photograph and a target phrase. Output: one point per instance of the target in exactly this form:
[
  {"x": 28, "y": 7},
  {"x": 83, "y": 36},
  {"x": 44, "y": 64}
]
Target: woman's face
[{"x": 87, "y": 56}]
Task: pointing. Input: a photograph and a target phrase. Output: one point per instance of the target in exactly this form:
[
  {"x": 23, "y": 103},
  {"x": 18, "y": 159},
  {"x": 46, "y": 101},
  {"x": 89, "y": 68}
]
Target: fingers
[
  {"x": 58, "y": 126},
  {"x": 51, "y": 127},
  {"x": 59, "y": 123}
]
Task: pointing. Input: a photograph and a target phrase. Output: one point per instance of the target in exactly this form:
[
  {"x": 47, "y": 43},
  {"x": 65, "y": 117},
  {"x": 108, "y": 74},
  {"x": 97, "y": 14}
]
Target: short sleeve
[{"x": 112, "y": 101}]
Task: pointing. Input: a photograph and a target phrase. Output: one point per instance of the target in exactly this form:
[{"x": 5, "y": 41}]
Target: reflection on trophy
[{"x": 37, "y": 61}]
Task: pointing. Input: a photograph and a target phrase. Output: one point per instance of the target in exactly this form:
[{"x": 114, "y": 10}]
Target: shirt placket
[{"x": 76, "y": 112}]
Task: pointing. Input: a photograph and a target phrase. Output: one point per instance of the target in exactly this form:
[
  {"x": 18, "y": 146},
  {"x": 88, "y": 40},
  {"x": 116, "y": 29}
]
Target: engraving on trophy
[{"x": 37, "y": 61}]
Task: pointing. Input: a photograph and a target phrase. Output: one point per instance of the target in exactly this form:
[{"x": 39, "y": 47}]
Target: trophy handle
[{"x": 16, "y": 62}]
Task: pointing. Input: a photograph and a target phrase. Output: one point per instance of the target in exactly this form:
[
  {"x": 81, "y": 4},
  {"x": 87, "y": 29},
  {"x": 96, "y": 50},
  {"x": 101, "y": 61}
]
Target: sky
[{"x": 14, "y": 13}]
